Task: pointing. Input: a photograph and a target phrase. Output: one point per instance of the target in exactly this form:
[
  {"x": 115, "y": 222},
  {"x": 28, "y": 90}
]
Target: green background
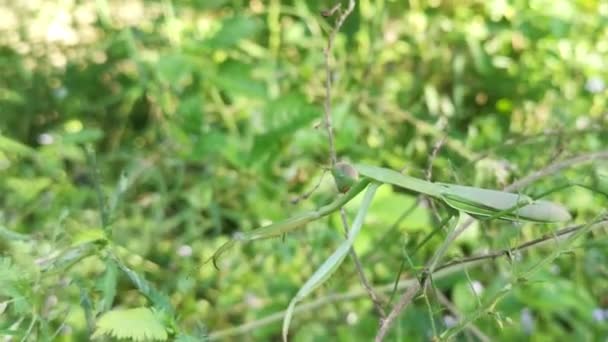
[{"x": 205, "y": 118}]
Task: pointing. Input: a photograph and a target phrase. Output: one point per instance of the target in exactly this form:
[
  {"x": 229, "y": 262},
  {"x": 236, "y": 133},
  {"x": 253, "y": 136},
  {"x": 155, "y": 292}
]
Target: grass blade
[{"x": 333, "y": 262}]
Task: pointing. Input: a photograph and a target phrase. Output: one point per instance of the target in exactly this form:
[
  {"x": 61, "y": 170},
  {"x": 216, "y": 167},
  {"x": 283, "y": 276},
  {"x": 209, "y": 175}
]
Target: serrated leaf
[{"x": 138, "y": 324}]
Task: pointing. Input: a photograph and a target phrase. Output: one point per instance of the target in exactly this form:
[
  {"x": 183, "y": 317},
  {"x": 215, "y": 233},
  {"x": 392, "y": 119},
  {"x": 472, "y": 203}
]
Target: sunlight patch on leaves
[{"x": 138, "y": 324}]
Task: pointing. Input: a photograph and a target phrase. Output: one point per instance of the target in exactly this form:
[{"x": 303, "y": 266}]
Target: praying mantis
[{"x": 477, "y": 202}]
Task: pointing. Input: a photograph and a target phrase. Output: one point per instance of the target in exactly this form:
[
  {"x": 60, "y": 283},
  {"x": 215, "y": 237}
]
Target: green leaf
[
  {"x": 14, "y": 147},
  {"x": 463, "y": 297},
  {"x": 85, "y": 236},
  {"x": 11, "y": 235},
  {"x": 190, "y": 338},
  {"x": 158, "y": 299},
  {"x": 86, "y": 303},
  {"x": 89, "y": 135},
  {"x": 26, "y": 189},
  {"x": 174, "y": 69},
  {"x": 14, "y": 284},
  {"x": 283, "y": 118},
  {"x": 138, "y": 324},
  {"x": 332, "y": 263},
  {"x": 117, "y": 196},
  {"x": 107, "y": 285},
  {"x": 236, "y": 79},
  {"x": 234, "y": 30}
]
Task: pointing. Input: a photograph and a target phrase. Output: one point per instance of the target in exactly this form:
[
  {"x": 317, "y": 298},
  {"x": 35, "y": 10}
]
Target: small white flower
[
  {"x": 449, "y": 321},
  {"x": 583, "y": 122},
  {"x": 595, "y": 85},
  {"x": 60, "y": 93},
  {"x": 599, "y": 315},
  {"x": 184, "y": 251},
  {"x": 527, "y": 321},
  {"x": 253, "y": 301},
  {"x": 477, "y": 287},
  {"x": 45, "y": 139},
  {"x": 352, "y": 318},
  {"x": 517, "y": 256}
]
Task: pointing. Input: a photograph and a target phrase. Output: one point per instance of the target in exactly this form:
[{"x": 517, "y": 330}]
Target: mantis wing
[
  {"x": 472, "y": 200},
  {"x": 486, "y": 202}
]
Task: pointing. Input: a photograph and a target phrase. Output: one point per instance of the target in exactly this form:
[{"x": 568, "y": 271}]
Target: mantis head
[{"x": 345, "y": 176}]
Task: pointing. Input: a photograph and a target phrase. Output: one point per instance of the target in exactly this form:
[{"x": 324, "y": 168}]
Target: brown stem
[
  {"x": 330, "y": 136},
  {"x": 544, "y": 172}
]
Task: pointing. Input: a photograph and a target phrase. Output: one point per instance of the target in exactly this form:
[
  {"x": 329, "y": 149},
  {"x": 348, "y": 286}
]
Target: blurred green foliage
[{"x": 205, "y": 118}]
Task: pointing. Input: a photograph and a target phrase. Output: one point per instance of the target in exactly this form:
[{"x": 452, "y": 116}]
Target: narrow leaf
[
  {"x": 107, "y": 285},
  {"x": 86, "y": 304},
  {"x": 333, "y": 262},
  {"x": 138, "y": 324}
]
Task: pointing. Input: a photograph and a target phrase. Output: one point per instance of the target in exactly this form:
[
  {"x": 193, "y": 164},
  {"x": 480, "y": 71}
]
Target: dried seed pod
[{"x": 345, "y": 175}]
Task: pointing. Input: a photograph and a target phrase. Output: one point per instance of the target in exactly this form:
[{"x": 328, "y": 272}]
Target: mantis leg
[
  {"x": 332, "y": 263},
  {"x": 293, "y": 223}
]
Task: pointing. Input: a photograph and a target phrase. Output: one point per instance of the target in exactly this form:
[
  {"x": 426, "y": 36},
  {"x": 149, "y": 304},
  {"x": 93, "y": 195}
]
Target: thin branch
[
  {"x": 364, "y": 282},
  {"x": 429, "y": 175},
  {"x": 328, "y": 75},
  {"x": 533, "y": 177},
  {"x": 315, "y": 304},
  {"x": 427, "y": 129},
  {"x": 436, "y": 148},
  {"x": 546, "y": 171},
  {"x": 555, "y": 167},
  {"x": 508, "y": 252},
  {"x": 440, "y": 272},
  {"x": 330, "y": 136},
  {"x": 454, "y": 311},
  {"x": 519, "y": 140},
  {"x": 404, "y": 301},
  {"x": 306, "y": 195}
]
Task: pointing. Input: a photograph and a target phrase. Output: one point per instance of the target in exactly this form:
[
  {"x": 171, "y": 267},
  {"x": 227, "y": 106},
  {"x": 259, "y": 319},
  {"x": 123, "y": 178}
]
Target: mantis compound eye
[{"x": 345, "y": 176}]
